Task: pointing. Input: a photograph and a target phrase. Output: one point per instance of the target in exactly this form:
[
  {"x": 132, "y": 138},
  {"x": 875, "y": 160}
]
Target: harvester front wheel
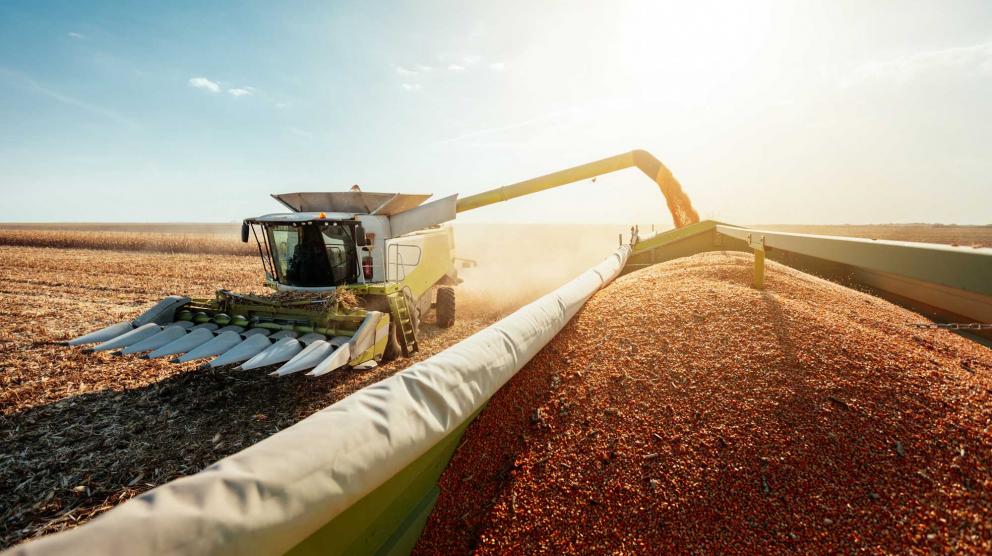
[{"x": 445, "y": 306}]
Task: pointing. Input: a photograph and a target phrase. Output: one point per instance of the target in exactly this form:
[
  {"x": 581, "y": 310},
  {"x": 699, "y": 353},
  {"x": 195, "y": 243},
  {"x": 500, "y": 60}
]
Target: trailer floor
[{"x": 83, "y": 433}]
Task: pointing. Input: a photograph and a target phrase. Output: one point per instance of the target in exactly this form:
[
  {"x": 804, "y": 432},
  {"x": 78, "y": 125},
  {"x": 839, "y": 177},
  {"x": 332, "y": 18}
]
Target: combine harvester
[
  {"x": 360, "y": 477},
  {"x": 385, "y": 252}
]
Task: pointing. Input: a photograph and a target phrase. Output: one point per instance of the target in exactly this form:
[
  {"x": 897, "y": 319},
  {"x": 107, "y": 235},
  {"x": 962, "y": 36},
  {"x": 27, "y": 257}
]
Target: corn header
[{"x": 355, "y": 274}]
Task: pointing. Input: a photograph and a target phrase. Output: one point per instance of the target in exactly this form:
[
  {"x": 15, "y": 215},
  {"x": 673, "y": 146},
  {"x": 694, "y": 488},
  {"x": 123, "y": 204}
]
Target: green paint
[
  {"x": 390, "y": 518},
  {"x": 674, "y": 235}
]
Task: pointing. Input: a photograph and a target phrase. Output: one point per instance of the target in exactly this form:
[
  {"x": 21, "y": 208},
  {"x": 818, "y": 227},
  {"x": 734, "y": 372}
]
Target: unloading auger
[{"x": 354, "y": 274}]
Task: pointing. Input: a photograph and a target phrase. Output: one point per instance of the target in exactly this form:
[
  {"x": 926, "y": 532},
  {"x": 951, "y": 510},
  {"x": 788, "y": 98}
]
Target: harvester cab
[
  {"x": 317, "y": 253},
  {"x": 355, "y": 274},
  {"x": 335, "y": 239}
]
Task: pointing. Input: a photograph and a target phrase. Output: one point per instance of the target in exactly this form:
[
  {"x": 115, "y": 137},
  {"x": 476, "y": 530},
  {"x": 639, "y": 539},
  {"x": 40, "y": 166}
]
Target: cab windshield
[{"x": 314, "y": 254}]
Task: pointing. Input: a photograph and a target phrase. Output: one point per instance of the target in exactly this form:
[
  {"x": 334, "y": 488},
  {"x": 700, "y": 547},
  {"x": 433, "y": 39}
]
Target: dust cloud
[{"x": 516, "y": 263}]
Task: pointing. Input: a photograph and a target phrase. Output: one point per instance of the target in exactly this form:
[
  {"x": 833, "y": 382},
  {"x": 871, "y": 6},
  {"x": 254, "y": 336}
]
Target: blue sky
[{"x": 768, "y": 112}]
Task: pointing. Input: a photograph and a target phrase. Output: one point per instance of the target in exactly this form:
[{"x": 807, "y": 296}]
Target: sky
[{"x": 767, "y": 112}]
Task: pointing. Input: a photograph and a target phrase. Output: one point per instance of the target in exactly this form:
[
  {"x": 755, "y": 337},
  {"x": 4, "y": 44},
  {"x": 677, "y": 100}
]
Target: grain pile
[
  {"x": 683, "y": 411},
  {"x": 82, "y": 433}
]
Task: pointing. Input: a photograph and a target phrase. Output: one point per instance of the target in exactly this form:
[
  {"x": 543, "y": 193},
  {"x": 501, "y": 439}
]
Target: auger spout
[{"x": 678, "y": 202}]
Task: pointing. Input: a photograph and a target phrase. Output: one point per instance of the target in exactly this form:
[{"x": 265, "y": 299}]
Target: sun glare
[{"x": 690, "y": 51}]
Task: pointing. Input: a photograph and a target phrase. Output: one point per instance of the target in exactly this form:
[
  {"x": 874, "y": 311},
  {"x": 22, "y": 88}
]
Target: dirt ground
[{"x": 82, "y": 433}]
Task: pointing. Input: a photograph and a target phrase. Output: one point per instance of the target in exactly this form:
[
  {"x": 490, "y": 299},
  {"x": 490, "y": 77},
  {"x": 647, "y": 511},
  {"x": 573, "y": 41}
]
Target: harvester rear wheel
[
  {"x": 445, "y": 306},
  {"x": 392, "y": 345}
]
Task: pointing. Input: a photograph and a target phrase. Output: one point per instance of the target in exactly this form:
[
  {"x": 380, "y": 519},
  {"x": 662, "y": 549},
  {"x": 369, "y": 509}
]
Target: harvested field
[
  {"x": 502, "y": 244},
  {"x": 682, "y": 410},
  {"x": 149, "y": 242},
  {"x": 231, "y": 230},
  {"x": 82, "y": 433}
]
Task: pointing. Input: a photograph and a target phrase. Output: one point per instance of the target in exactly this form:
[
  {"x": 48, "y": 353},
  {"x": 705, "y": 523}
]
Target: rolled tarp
[{"x": 272, "y": 496}]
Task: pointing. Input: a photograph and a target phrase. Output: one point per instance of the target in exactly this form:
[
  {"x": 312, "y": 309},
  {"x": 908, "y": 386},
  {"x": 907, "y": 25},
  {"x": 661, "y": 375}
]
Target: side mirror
[
  {"x": 360, "y": 238},
  {"x": 244, "y": 231}
]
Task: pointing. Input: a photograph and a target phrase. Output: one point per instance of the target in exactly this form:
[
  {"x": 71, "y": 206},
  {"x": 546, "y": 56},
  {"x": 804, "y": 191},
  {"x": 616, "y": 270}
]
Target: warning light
[{"x": 322, "y": 216}]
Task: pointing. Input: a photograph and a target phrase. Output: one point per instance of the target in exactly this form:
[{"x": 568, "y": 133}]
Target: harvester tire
[
  {"x": 445, "y": 306},
  {"x": 393, "y": 349}
]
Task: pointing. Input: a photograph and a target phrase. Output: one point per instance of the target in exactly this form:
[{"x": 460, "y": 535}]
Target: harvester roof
[
  {"x": 295, "y": 217},
  {"x": 352, "y": 202}
]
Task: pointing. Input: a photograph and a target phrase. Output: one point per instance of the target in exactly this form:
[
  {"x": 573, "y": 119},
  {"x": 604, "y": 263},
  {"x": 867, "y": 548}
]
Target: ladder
[{"x": 400, "y": 309}]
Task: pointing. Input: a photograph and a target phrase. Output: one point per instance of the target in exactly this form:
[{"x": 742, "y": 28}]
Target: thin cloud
[
  {"x": 36, "y": 87},
  {"x": 977, "y": 57},
  {"x": 299, "y": 132},
  {"x": 76, "y": 35},
  {"x": 411, "y": 74},
  {"x": 205, "y": 84},
  {"x": 241, "y": 91},
  {"x": 550, "y": 116}
]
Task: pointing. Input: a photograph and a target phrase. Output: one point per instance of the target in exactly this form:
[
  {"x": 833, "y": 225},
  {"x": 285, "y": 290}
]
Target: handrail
[
  {"x": 964, "y": 268},
  {"x": 678, "y": 202},
  {"x": 398, "y": 262},
  {"x": 943, "y": 282}
]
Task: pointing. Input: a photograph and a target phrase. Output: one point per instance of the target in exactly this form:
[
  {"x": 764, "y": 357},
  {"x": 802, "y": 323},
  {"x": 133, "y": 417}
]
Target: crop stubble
[
  {"x": 82, "y": 433},
  {"x": 118, "y": 239},
  {"x": 682, "y": 410}
]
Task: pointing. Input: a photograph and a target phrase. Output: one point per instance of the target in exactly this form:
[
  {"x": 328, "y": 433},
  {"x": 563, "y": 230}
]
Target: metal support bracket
[{"x": 758, "y": 281}]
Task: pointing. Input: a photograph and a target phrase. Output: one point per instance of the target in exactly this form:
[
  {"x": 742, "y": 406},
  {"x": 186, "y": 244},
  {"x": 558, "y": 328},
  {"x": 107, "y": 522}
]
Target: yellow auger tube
[{"x": 678, "y": 202}]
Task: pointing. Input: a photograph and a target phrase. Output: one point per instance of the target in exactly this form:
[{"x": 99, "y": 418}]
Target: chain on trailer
[{"x": 952, "y": 325}]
